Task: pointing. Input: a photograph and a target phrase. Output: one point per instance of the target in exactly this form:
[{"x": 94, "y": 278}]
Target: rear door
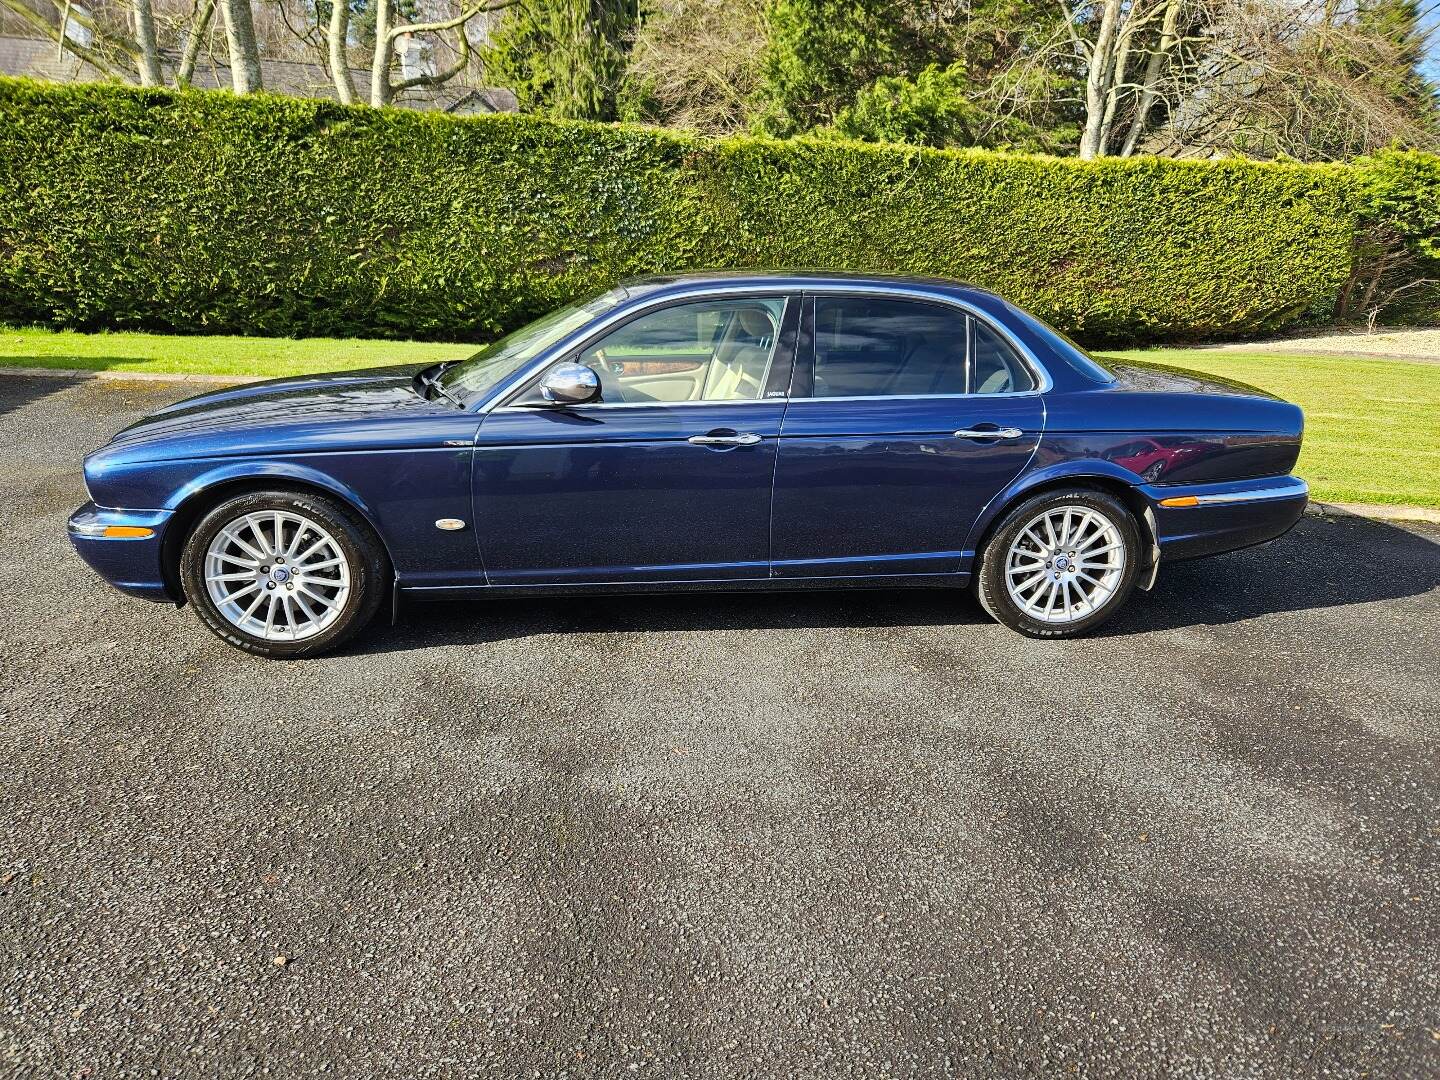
[{"x": 906, "y": 418}]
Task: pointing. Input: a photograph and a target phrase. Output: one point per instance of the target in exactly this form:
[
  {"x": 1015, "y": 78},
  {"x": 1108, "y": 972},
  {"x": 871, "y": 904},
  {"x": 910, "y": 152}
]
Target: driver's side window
[{"x": 709, "y": 350}]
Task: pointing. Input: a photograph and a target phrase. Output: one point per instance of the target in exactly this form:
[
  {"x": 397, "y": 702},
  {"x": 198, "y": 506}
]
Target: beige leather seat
[{"x": 742, "y": 359}]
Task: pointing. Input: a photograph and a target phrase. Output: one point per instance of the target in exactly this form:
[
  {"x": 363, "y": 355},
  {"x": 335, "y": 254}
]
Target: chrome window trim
[
  {"x": 1044, "y": 384},
  {"x": 644, "y": 404},
  {"x": 919, "y": 396}
]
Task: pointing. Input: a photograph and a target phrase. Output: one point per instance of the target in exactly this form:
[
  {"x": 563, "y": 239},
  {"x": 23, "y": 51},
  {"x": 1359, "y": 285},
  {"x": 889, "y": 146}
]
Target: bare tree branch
[
  {"x": 448, "y": 24},
  {"x": 91, "y": 56}
]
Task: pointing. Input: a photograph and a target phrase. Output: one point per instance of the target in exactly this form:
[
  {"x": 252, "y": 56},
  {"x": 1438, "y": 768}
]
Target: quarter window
[
  {"x": 997, "y": 370},
  {"x": 866, "y": 347}
]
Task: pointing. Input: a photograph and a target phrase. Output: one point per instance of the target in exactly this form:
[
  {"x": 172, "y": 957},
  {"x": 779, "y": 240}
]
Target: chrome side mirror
[{"x": 570, "y": 384}]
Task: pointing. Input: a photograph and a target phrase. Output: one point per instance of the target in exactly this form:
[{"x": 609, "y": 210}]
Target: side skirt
[{"x": 658, "y": 588}]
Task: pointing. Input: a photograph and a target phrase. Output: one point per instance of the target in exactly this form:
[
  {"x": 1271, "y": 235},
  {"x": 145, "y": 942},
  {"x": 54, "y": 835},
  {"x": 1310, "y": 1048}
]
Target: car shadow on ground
[
  {"x": 1333, "y": 562},
  {"x": 17, "y": 391}
]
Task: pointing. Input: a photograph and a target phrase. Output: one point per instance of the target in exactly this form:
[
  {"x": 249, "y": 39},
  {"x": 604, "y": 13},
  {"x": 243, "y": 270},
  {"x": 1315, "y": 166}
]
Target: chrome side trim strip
[{"x": 1298, "y": 490}]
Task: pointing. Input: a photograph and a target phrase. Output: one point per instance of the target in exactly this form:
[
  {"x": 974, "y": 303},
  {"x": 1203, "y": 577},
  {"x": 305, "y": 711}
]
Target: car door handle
[
  {"x": 744, "y": 439},
  {"x": 993, "y": 433}
]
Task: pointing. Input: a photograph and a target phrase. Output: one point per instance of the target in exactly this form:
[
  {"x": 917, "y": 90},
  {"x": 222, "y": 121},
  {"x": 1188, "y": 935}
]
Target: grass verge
[
  {"x": 1372, "y": 426},
  {"x": 171, "y": 354}
]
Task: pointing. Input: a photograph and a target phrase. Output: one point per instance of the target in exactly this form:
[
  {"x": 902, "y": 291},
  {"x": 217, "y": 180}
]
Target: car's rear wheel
[
  {"x": 1060, "y": 563},
  {"x": 283, "y": 574}
]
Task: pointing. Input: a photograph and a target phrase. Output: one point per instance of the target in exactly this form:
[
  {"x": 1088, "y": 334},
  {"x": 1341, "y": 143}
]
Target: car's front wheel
[
  {"x": 1060, "y": 563},
  {"x": 283, "y": 574}
]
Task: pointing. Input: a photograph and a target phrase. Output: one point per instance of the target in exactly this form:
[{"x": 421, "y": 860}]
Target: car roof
[{"x": 798, "y": 280}]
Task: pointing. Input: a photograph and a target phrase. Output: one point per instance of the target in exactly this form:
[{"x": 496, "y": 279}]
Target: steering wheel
[{"x": 611, "y": 390}]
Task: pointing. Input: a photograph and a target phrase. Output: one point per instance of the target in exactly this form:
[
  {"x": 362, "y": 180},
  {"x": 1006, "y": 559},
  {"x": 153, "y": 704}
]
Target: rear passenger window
[
  {"x": 868, "y": 347},
  {"x": 997, "y": 369}
]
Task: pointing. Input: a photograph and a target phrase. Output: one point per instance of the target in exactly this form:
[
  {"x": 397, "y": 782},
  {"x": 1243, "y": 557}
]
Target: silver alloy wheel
[
  {"x": 1065, "y": 564},
  {"x": 277, "y": 575}
]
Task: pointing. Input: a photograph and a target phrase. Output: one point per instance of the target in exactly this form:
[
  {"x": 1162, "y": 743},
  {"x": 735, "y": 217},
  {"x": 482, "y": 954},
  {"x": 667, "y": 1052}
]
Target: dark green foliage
[
  {"x": 927, "y": 72},
  {"x": 935, "y": 108},
  {"x": 821, "y": 53},
  {"x": 563, "y": 58},
  {"x": 1395, "y": 267},
  {"x": 1402, "y": 79},
  {"x": 208, "y": 213},
  {"x": 932, "y": 109},
  {"x": 1400, "y": 190}
]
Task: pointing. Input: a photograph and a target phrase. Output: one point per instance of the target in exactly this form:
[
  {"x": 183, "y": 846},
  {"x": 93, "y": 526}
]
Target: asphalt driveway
[{"x": 830, "y": 836}]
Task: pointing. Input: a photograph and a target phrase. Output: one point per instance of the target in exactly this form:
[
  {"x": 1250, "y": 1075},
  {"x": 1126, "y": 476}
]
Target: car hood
[
  {"x": 1144, "y": 376},
  {"x": 303, "y": 402}
]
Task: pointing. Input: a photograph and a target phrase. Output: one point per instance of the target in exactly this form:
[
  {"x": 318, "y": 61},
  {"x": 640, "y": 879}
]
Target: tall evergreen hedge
[{"x": 208, "y": 213}]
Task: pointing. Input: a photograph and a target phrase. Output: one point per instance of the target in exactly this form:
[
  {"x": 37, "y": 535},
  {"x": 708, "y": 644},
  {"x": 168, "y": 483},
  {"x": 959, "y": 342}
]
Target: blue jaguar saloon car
[{"x": 720, "y": 431}]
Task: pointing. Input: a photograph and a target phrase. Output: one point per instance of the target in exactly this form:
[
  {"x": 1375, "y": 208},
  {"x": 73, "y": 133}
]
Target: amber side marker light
[
  {"x": 1181, "y": 500},
  {"x": 127, "y": 532}
]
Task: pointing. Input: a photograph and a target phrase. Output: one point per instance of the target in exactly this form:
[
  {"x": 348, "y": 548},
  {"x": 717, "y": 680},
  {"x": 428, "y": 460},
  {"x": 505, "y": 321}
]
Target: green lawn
[
  {"x": 174, "y": 354},
  {"x": 1372, "y": 426}
]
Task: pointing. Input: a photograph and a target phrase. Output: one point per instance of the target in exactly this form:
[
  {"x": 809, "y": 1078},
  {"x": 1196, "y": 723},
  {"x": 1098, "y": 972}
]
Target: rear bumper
[
  {"x": 133, "y": 564},
  {"x": 1225, "y": 516}
]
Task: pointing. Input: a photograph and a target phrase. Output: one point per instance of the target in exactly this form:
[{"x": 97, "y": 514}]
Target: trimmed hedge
[{"x": 203, "y": 212}]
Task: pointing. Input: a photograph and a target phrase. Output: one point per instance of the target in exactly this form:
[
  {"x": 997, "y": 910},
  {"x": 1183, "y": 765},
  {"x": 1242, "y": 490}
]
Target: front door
[
  {"x": 667, "y": 477},
  {"x": 887, "y": 455}
]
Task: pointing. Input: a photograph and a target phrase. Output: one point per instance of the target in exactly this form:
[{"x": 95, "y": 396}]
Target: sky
[{"x": 1432, "y": 63}]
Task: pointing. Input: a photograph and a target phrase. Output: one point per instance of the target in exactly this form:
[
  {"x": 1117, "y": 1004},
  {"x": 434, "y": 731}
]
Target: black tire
[
  {"x": 990, "y": 583},
  {"x": 368, "y": 566}
]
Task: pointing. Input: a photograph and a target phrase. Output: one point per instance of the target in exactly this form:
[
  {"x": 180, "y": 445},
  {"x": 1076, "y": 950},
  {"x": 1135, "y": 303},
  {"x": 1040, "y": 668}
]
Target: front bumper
[
  {"x": 132, "y": 563},
  {"x": 1224, "y": 516}
]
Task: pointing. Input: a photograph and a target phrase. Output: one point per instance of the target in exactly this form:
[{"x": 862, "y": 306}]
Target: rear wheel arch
[
  {"x": 1129, "y": 497},
  {"x": 195, "y": 506}
]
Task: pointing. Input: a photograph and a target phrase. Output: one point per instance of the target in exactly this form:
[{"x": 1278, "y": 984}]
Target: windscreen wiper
[{"x": 432, "y": 382}]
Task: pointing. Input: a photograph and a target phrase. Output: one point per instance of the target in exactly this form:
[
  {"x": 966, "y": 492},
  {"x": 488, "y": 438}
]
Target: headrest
[{"x": 755, "y": 323}]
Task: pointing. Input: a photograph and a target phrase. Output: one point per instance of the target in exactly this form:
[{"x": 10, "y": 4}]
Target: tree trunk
[
  {"x": 244, "y": 53},
  {"x": 1148, "y": 93},
  {"x": 148, "y": 62},
  {"x": 1117, "y": 82},
  {"x": 198, "y": 28},
  {"x": 380, "y": 90},
  {"x": 339, "y": 56},
  {"x": 1098, "y": 81}
]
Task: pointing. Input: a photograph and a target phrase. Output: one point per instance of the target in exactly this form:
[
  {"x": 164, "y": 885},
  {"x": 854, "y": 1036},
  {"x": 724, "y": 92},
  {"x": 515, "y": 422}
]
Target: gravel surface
[
  {"x": 793, "y": 836},
  {"x": 1396, "y": 343}
]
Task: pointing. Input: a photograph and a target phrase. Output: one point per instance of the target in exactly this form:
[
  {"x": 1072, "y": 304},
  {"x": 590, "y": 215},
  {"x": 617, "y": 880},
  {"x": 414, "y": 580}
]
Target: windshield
[{"x": 500, "y": 359}]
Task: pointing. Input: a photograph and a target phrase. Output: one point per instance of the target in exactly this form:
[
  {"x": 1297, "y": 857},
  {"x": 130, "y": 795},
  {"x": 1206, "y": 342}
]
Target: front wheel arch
[{"x": 199, "y": 503}]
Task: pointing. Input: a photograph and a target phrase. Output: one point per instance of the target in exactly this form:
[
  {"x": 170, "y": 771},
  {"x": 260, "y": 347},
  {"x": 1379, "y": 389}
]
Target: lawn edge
[
  {"x": 131, "y": 376},
  {"x": 1374, "y": 511}
]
